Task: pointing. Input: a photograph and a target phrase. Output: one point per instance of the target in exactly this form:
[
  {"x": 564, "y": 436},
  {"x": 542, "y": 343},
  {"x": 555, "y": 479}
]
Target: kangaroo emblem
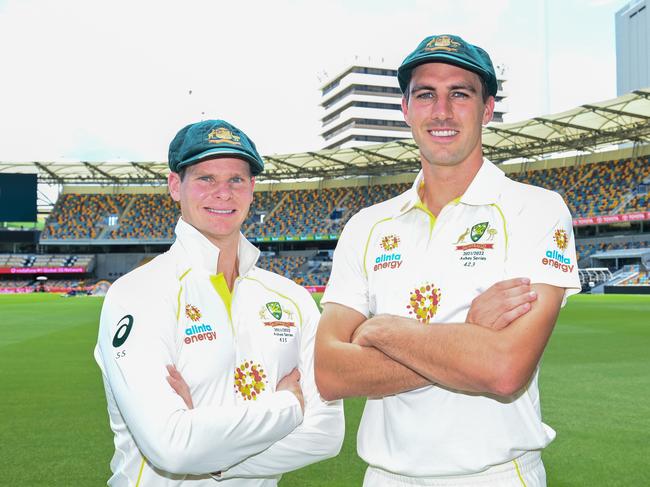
[{"x": 462, "y": 236}]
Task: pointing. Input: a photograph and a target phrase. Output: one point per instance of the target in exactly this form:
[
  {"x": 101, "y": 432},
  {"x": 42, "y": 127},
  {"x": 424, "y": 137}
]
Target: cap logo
[
  {"x": 223, "y": 135},
  {"x": 442, "y": 43}
]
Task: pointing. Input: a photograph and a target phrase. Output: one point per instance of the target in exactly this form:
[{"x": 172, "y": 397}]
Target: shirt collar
[
  {"x": 205, "y": 255},
  {"x": 483, "y": 190},
  {"x": 486, "y": 185}
]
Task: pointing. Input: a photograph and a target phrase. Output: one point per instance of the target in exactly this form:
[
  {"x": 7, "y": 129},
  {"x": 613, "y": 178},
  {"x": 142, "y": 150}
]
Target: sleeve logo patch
[
  {"x": 556, "y": 259},
  {"x": 124, "y": 327},
  {"x": 561, "y": 239}
]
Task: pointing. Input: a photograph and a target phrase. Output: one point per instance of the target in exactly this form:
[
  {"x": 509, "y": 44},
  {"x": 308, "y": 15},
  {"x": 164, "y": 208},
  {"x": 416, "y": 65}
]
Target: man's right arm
[{"x": 344, "y": 369}]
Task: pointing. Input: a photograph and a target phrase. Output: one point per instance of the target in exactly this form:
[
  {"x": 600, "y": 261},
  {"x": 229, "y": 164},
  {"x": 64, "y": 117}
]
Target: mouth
[
  {"x": 216, "y": 211},
  {"x": 443, "y": 132}
]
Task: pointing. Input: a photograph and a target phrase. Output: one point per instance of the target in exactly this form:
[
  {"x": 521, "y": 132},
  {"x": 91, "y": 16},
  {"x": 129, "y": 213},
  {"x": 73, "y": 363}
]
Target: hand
[
  {"x": 179, "y": 385},
  {"x": 291, "y": 383},
  {"x": 501, "y": 304}
]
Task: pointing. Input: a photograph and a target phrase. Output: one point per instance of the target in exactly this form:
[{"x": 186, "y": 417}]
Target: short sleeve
[
  {"x": 348, "y": 282},
  {"x": 542, "y": 244}
]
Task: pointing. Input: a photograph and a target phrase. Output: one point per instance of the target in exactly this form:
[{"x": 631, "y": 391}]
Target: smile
[
  {"x": 220, "y": 212},
  {"x": 443, "y": 133}
]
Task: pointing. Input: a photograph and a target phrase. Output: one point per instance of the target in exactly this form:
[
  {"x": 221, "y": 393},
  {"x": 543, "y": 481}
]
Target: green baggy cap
[
  {"x": 210, "y": 139},
  {"x": 449, "y": 49}
]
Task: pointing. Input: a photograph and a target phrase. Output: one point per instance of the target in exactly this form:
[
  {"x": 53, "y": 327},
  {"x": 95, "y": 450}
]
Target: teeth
[
  {"x": 220, "y": 212},
  {"x": 443, "y": 133}
]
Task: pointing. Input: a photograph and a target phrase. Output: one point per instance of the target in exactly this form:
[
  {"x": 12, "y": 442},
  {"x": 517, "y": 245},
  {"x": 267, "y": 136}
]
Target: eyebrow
[{"x": 460, "y": 86}]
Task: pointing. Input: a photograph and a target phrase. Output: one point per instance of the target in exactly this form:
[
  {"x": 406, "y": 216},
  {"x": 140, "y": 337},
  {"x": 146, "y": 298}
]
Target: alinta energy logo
[
  {"x": 555, "y": 258},
  {"x": 197, "y": 333},
  {"x": 250, "y": 380},
  {"x": 424, "y": 302},
  {"x": 392, "y": 260}
]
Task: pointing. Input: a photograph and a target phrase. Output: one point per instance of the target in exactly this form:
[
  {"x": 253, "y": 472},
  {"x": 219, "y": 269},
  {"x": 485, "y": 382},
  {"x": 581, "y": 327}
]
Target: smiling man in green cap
[
  {"x": 446, "y": 340},
  {"x": 236, "y": 340}
]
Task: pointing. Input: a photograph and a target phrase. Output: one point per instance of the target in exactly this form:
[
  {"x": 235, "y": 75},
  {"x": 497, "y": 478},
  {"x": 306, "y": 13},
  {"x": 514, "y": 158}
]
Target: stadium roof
[{"x": 585, "y": 129}]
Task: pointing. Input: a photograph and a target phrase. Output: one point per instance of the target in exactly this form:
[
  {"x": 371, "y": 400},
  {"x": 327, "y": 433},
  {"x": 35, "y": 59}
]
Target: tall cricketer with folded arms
[
  {"x": 237, "y": 341},
  {"x": 452, "y": 394}
]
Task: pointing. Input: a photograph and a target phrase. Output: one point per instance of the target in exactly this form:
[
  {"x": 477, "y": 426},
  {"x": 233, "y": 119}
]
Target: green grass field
[{"x": 54, "y": 429}]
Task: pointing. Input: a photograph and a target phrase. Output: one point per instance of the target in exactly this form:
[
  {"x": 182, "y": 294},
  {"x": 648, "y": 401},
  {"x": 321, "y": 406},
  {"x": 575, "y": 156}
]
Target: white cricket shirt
[
  {"x": 231, "y": 350},
  {"x": 396, "y": 258}
]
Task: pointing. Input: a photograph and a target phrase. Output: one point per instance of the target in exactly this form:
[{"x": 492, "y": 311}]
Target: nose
[
  {"x": 441, "y": 108},
  {"x": 222, "y": 190}
]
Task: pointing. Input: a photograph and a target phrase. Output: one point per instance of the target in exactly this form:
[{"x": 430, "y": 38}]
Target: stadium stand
[
  {"x": 46, "y": 260},
  {"x": 82, "y": 216},
  {"x": 148, "y": 216},
  {"x": 589, "y": 189},
  {"x": 595, "y": 189}
]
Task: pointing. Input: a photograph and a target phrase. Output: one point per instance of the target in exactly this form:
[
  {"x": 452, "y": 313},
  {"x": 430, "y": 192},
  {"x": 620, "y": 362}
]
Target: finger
[
  {"x": 507, "y": 318},
  {"x": 528, "y": 297},
  {"x": 510, "y": 283},
  {"x": 517, "y": 291}
]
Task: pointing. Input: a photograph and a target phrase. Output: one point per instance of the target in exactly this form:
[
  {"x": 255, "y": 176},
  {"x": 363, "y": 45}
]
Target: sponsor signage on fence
[
  {"x": 42, "y": 270},
  {"x": 596, "y": 220}
]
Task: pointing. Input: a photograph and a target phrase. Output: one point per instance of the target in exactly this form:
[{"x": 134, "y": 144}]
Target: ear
[
  {"x": 489, "y": 110},
  {"x": 405, "y": 110},
  {"x": 174, "y": 185}
]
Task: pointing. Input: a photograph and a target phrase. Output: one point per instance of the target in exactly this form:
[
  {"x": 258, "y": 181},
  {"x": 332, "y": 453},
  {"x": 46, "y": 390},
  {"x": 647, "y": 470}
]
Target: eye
[
  {"x": 459, "y": 94},
  {"x": 425, "y": 95},
  {"x": 207, "y": 179},
  {"x": 236, "y": 179}
]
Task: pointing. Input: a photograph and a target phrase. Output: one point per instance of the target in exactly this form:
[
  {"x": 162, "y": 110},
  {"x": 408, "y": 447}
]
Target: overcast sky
[{"x": 115, "y": 80}]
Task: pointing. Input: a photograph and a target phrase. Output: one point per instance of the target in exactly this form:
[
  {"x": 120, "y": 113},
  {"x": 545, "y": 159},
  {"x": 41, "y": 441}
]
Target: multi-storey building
[
  {"x": 632, "y": 47},
  {"x": 362, "y": 106}
]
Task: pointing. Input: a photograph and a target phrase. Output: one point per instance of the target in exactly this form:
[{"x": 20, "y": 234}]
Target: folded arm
[
  {"x": 171, "y": 437},
  {"x": 346, "y": 367},
  {"x": 469, "y": 358}
]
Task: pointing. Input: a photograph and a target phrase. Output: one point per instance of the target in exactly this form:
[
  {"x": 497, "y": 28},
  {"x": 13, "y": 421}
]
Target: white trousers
[{"x": 525, "y": 471}]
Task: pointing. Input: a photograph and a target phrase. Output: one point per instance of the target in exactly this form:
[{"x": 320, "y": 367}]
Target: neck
[{"x": 443, "y": 184}]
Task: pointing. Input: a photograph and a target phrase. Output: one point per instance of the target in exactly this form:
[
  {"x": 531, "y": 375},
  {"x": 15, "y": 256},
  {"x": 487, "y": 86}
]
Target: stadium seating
[
  {"x": 45, "y": 260},
  {"x": 593, "y": 189},
  {"x": 148, "y": 217},
  {"x": 82, "y": 216},
  {"x": 589, "y": 189}
]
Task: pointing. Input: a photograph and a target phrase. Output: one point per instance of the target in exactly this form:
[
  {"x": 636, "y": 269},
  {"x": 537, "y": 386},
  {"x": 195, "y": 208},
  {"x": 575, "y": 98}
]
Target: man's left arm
[{"x": 469, "y": 357}]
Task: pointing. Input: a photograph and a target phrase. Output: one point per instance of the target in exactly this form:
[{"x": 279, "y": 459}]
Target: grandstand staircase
[{"x": 107, "y": 229}]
